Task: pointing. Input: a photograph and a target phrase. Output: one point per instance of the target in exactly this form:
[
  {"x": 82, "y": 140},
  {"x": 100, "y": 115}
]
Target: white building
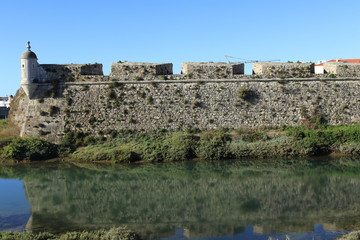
[{"x": 5, "y": 101}]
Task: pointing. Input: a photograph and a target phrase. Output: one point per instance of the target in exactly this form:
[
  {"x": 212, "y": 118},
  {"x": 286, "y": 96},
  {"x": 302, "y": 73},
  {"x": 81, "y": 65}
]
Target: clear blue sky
[{"x": 176, "y": 31}]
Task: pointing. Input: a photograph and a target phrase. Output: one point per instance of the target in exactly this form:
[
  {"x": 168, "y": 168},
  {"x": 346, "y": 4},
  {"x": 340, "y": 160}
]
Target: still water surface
[{"x": 304, "y": 199}]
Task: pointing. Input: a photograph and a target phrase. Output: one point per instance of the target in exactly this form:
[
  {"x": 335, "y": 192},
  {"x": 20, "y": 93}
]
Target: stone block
[
  {"x": 70, "y": 72},
  {"x": 342, "y": 69},
  {"x": 290, "y": 70},
  {"x": 139, "y": 70},
  {"x": 212, "y": 70}
]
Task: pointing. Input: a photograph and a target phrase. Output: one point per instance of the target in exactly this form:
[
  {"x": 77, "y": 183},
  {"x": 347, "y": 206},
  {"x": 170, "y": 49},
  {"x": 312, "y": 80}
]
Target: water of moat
[{"x": 304, "y": 199}]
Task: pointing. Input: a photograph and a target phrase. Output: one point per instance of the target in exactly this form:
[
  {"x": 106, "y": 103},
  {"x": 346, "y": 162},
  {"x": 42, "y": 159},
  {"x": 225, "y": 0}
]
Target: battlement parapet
[
  {"x": 284, "y": 70},
  {"x": 342, "y": 69},
  {"x": 71, "y": 72},
  {"x": 139, "y": 70},
  {"x": 211, "y": 70}
]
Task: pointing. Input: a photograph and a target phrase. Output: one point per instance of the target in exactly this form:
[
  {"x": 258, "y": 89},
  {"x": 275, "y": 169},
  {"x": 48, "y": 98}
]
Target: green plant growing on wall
[
  {"x": 196, "y": 104},
  {"x": 111, "y": 94},
  {"x": 69, "y": 79},
  {"x": 141, "y": 94},
  {"x": 115, "y": 84},
  {"x": 150, "y": 100},
  {"x": 69, "y": 101},
  {"x": 243, "y": 93},
  {"x": 313, "y": 119}
]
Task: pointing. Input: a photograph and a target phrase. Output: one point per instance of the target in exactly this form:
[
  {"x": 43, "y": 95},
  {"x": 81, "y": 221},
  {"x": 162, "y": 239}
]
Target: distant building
[
  {"x": 319, "y": 67},
  {"x": 4, "y": 106}
]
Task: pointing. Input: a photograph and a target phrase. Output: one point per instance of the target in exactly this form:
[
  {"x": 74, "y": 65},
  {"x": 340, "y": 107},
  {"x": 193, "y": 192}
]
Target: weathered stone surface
[
  {"x": 209, "y": 70},
  {"x": 95, "y": 108},
  {"x": 286, "y": 70},
  {"x": 71, "y": 72},
  {"x": 342, "y": 69},
  {"x": 139, "y": 71}
]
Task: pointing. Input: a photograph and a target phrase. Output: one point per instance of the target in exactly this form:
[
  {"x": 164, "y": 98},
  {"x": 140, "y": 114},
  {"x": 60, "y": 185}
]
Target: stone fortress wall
[{"x": 147, "y": 97}]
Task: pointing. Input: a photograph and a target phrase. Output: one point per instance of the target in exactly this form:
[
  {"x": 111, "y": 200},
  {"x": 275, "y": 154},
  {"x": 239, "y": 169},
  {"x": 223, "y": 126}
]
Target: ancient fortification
[{"x": 54, "y": 99}]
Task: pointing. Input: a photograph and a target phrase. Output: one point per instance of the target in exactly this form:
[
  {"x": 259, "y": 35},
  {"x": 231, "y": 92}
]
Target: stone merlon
[{"x": 139, "y": 70}]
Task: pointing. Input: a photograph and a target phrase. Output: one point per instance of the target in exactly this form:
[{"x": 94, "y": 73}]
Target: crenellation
[
  {"x": 139, "y": 71},
  {"x": 342, "y": 69},
  {"x": 284, "y": 70},
  {"x": 71, "y": 72},
  {"x": 210, "y": 70}
]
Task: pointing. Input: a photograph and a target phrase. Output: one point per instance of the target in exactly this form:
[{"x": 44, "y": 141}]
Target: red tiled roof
[
  {"x": 341, "y": 60},
  {"x": 4, "y": 98}
]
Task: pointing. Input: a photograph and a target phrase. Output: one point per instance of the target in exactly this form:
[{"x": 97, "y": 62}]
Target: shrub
[
  {"x": 179, "y": 146},
  {"x": 119, "y": 233},
  {"x": 150, "y": 147},
  {"x": 350, "y": 148},
  {"x": 30, "y": 149},
  {"x": 106, "y": 152},
  {"x": 282, "y": 146},
  {"x": 213, "y": 146},
  {"x": 243, "y": 93}
]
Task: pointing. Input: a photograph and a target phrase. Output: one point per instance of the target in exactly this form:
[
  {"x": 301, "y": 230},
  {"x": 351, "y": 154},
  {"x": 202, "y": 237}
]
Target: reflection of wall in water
[{"x": 204, "y": 204}]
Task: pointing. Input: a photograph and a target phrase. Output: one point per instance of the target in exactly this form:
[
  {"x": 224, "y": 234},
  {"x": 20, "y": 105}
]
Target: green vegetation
[
  {"x": 226, "y": 144},
  {"x": 111, "y": 94},
  {"x": 315, "y": 139},
  {"x": 32, "y": 149},
  {"x": 119, "y": 233},
  {"x": 350, "y": 236},
  {"x": 243, "y": 93}
]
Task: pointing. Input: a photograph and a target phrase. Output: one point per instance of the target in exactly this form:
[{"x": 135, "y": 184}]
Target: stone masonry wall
[
  {"x": 71, "y": 72},
  {"x": 96, "y": 107},
  {"x": 139, "y": 71},
  {"x": 284, "y": 70},
  {"x": 209, "y": 70},
  {"x": 342, "y": 69}
]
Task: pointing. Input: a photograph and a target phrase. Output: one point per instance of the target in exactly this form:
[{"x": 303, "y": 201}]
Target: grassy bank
[
  {"x": 125, "y": 147},
  {"x": 119, "y": 233},
  {"x": 220, "y": 144}
]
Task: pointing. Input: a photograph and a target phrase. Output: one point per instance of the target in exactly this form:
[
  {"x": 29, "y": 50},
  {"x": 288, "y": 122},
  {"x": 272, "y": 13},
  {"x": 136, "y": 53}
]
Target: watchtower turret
[{"x": 29, "y": 71}]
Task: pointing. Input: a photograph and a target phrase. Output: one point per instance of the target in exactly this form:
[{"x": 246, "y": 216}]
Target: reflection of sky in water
[
  {"x": 14, "y": 207},
  {"x": 13, "y": 200},
  {"x": 318, "y": 234}
]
